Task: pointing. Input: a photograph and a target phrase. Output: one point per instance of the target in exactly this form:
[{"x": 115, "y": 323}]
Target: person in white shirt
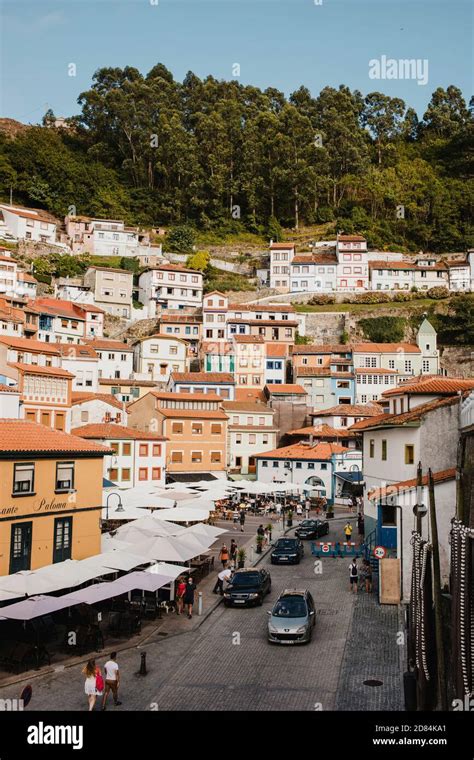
[
  {"x": 224, "y": 575},
  {"x": 112, "y": 680}
]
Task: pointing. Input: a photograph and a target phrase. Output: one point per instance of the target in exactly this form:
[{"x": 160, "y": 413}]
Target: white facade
[
  {"x": 110, "y": 237},
  {"x": 98, "y": 411},
  {"x": 9, "y": 404},
  {"x": 28, "y": 225},
  {"x": 461, "y": 274},
  {"x": 8, "y": 276},
  {"x": 156, "y": 357},
  {"x": 84, "y": 368},
  {"x": 315, "y": 274},
  {"x": 171, "y": 287},
  {"x": 275, "y": 369},
  {"x": 204, "y": 383},
  {"x": 215, "y": 307},
  {"x": 370, "y": 384},
  {"x": 249, "y": 433},
  {"x": 352, "y": 266},
  {"x": 115, "y": 359},
  {"x": 281, "y": 256}
]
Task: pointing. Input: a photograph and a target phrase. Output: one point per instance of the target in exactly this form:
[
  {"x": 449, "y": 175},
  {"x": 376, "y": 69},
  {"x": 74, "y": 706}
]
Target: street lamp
[{"x": 119, "y": 506}]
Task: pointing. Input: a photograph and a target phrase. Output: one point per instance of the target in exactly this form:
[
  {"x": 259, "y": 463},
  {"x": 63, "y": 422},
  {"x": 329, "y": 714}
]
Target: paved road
[{"x": 227, "y": 664}]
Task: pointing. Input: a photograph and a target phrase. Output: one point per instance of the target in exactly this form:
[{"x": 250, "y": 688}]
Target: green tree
[
  {"x": 199, "y": 260},
  {"x": 181, "y": 238}
]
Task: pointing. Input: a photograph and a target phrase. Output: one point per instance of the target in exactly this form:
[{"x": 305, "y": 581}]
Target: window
[
  {"x": 298, "y": 465},
  {"x": 238, "y": 438},
  {"x": 408, "y": 366},
  {"x": 275, "y": 464},
  {"x": 384, "y": 450},
  {"x": 143, "y": 473},
  {"x": 391, "y": 363},
  {"x": 84, "y": 416},
  {"x": 156, "y": 450},
  {"x": 177, "y": 457},
  {"x": 324, "y": 466},
  {"x": 23, "y": 478},
  {"x": 126, "y": 474},
  {"x": 127, "y": 449},
  {"x": 177, "y": 428},
  {"x": 264, "y": 463},
  {"x": 310, "y": 465},
  {"x": 64, "y": 476},
  {"x": 62, "y": 539},
  {"x": 196, "y": 457},
  {"x": 59, "y": 421},
  {"x": 143, "y": 450},
  {"x": 216, "y": 428},
  {"x": 196, "y": 428},
  {"x": 426, "y": 365},
  {"x": 156, "y": 473},
  {"x": 409, "y": 454},
  {"x": 252, "y": 438},
  {"x": 113, "y": 473},
  {"x": 216, "y": 456},
  {"x": 371, "y": 448}
]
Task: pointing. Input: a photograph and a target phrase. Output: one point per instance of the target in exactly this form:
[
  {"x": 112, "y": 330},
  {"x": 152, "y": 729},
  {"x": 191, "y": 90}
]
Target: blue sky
[{"x": 279, "y": 43}]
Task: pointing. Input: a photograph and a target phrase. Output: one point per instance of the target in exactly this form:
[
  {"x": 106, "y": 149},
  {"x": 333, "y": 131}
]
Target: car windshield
[
  {"x": 246, "y": 579},
  {"x": 286, "y": 543},
  {"x": 307, "y": 523},
  {"x": 290, "y": 607}
]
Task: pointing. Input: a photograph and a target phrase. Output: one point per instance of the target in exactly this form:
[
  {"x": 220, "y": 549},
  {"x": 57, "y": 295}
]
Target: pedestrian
[
  {"x": 180, "y": 590},
  {"x": 360, "y": 524},
  {"x": 260, "y": 530},
  {"x": 235, "y": 518},
  {"x": 348, "y": 531},
  {"x": 224, "y": 575},
  {"x": 353, "y": 504},
  {"x": 188, "y": 598},
  {"x": 112, "y": 680},
  {"x": 368, "y": 576},
  {"x": 266, "y": 537},
  {"x": 224, "y": 556},
  {"x": 94, "y": 684},
  {"x": 242, "y": 518},
  {"x": 233, "y": 551},
  {"x": 353, "y": 576}
]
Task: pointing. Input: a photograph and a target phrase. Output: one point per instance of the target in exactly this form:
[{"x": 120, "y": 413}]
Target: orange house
[{"x": 195, "y": 426}]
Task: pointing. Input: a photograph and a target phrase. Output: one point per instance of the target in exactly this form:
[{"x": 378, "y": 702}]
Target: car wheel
[
  {"x": 259, "y": 601},
  {"x": 226, "y": 603},
  {"x": 269, "y": 589}
]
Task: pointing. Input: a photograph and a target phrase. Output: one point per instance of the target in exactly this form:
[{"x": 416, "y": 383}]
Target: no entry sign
[{"x": 325, "y": 548}]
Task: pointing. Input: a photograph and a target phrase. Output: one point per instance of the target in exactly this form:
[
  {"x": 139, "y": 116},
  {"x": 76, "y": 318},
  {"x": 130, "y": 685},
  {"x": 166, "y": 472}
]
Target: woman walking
[
  {"x": 94, "y": 684},
  {"x": 224, "y": 556},
  {"x": 180, "y": 590},
  {"x": 189, "y": 596}
]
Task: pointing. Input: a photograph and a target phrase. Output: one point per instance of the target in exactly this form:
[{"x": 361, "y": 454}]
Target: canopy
[
  {"x": 35, "y": 606},
  {"x": 164, "y": 568},
  {"x": 118, "y": 560},
  {"x": 205, "y": 502},
  {"x": 98, "y": 592},
  {"x": 27, "y": 582},
  {"x": 205, "y": 530},
  {"x": 171, "y": 549},
  {"x": 71, "y": 572},
  {"x": 184, "y": 514},
  {"x": 133, "y": 535},
  {"x": 110, "y": 543},
  {"x": 151, "y": 524},
  {"x": 145, "y": 581}
]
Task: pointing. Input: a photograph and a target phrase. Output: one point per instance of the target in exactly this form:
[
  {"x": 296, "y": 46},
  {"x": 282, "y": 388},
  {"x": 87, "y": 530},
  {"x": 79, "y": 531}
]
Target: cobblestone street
[{"x": 227, "y": 664}]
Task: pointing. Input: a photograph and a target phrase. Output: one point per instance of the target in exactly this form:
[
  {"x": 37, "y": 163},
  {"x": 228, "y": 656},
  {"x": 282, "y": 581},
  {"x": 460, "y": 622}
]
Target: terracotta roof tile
[
  {"x": 111, "y": 431},
  {"x": 22, "y": 435},
  {"x": 28, "y": 344},
  {"x": 248, "y": 339},
  {"x": 320, "y": 450},
  {"x": 438, "y": 385},
  {"x": 277, "y": 350},
  {"x": 385, "y": 348},
  {"x": 35, "y": 369},
  {"x": 203, "y": 377},
  {"x": 415, "y": 415},
  {"x": 247, "y": 406},
  {"x": 329, "y": 348},
  {"x": 406, "y": 485},
  {"x": 351, "y": 410},
  {"x": 323, "y": 431},
  {"x": 80, "y": 397},
  {"x": 286, "y": 389},
  {"x": 198, "y": 414},
  {"x": 174, "y": 396},
  {"x": 104, "y": 344}
]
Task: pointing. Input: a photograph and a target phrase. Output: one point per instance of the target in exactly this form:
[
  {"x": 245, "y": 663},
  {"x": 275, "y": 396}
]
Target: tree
[
  {"x": 383, "y": 329},
  {"x": 180, "y": 238},
  {"x": 383, "y": 117},
  {"x": 199, "y": 260},
  {"x": 446, "y": 113}
]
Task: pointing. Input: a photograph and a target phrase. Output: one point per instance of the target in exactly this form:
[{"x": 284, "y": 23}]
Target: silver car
[{"x": 292, "y": 619}]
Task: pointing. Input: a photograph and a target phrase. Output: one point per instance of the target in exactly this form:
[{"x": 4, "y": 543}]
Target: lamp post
[{"x": 119, "y": 506}]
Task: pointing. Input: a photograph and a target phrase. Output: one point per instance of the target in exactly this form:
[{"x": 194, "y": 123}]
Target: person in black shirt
[{"x": 189, "y": 596}]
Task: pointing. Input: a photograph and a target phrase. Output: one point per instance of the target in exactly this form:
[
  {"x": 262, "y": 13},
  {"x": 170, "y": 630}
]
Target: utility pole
[
  {"x": 419, "y": 492},
  {"x": 442, "y": 695}
]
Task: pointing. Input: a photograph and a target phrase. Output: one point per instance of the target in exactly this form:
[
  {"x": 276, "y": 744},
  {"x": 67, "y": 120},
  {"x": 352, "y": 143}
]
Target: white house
[
  {"x": 352, "y": 266},
  {"x": 251, "y": 429},
  {"x": 9, "y": 402},
  {"x": 27, "y": 224},
  {"x": 97, "y": 408},
  {"x": 405, "y": 358},
  {"x": 421, "y": 390},
  {"x": 372, "y": 383},
  {"x": 137, "y": 458},
  {"x": 275, "y": 363},
  {"x": 27, "y": 285},
  {"x": 8, "y": 275},
  {"x": 281, "y": 256},
  {"x": 83, "y": 362},
  {"x": 316, "y": 272},
  {"x": 422, "y": 273},
  {"x": 461, "y": 273},
  {"x": 115, "y": 358},
  {"x": 157, "y": 356},
  {"x": 170, "y": 286},
  {"x": 345, "y": 415},
  {"x": 222, "y": 383}
]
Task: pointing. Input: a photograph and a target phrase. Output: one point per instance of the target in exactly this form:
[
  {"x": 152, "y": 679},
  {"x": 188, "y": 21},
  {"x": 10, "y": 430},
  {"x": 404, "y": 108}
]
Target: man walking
[
  {"x": 233, "y": 552},
  {"x": 242, "y": 519},
  {"x": 360, "y": 525},
  {"x": 224, "y": 575},
  {"x": 112, "y": 680},
  {"x": 353, "y": 576}
]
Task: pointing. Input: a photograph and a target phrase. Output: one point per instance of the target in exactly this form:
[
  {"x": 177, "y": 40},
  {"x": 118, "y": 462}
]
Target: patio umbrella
[
  {"x": 165, "y": 568},
  {"x": 110, "y": 543},
  {"x": 98, "y": 592},
  {"x": 118, "y": 560},
  {"x": 153, "y": 525},
  {"x": 35, "y": 606},
  {"x": 132, "y": 534},
  {"x": 171, "y": 549},
  {"x": 205, "y": 530},
  {"x": 7, "y": 595},
  {"x": 71, "y": 572},
  {"x": 145, "y": 581},
  {"x": 184, "y": 514},
  {"x": 27, "y": 582}
]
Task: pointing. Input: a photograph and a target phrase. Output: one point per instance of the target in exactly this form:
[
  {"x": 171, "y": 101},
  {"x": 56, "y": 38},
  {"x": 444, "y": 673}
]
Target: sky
[{"x": 276, "y": 43}]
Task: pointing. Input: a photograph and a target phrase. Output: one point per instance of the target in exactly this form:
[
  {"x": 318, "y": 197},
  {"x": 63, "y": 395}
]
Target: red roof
[
  {"x": 323, "y": 431},
  {"x": 203, "y": 377},
  {"x": 407, "y": 485},
  {"x": 104, "y": 344},
  {"x": 324, "y": 348},
  {"x": 26, "y": 214},
  {"x": 286, "y": 389},
  {"x": 111, "y": 431},
  {"x": 35, "y": 369},
  {"x": 248, "y": 339},
  {"x": 415, "y": 415},
  {"x": 28, "y": 344},
  {"x": 322, "y": 450},
  {"x": 351, "y": 410},
  {"x": 385, "y": 348},
  {"x": 23, "y": 435},
  {"x": 438, "y": 385},
  {"x": 80, "y": 397},
  {"x": 277, "y": 350},
  {"x": 282, "y": 246},
  {"x": 174, "y": 396}
]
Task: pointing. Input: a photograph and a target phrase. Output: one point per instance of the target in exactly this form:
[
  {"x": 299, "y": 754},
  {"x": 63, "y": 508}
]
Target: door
[
  {"x": 387, "y": 526},
  {"x": 252, "y": 465},
  {"x": 62, "y": 539},
  {"x": 20, "y": 547}
]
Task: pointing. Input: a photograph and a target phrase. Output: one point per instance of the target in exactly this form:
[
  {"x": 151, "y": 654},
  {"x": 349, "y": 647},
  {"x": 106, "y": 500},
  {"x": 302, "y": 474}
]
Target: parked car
[
  {"x": 248, "y": 587},
  {"x": 293, "y": 618},
  {"x": 312, "y": 529},
  {"x": 287, "y": 551}
]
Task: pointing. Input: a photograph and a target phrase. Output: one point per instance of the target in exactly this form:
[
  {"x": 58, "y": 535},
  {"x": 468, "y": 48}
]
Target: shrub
[
  {"x": 321, "y": 300},
  {"x": 403, "y": 297},
  {"x": 371, "y": 297},
  {"x": 198, "y": 260},
  {"x": 383, "y": 329},
  {"x": 180, "y": 238},
  {"x": 438, "y": 292}
]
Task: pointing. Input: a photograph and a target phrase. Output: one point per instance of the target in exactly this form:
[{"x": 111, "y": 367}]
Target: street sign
[
  {"x": 325, "y": 548},
  {"x": 380, "y": 552}
]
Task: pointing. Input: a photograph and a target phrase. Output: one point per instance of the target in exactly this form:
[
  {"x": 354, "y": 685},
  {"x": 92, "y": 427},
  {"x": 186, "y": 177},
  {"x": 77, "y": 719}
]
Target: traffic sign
[
  {"x": 380, "y": 552},
  {"x": 325, "y": 548}
]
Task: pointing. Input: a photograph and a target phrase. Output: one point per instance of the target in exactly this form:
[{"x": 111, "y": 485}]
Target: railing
[{"x": 467, "y": 412}]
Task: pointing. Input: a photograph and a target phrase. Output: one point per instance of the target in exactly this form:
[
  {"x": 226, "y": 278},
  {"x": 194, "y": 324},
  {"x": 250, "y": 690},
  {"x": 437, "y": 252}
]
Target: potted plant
[
  {"x": 260, "y": 540},
  {"x": 241, "y": 557},
  {"x": 289, "y": 521}
]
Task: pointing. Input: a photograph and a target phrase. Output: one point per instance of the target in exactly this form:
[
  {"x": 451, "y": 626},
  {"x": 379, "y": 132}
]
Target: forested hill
[{"x": 222, "y": 155}]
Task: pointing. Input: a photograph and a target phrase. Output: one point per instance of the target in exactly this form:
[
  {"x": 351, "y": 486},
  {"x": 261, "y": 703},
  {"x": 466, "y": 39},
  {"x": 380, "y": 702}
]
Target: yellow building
[{"x": 50, "y": 496}]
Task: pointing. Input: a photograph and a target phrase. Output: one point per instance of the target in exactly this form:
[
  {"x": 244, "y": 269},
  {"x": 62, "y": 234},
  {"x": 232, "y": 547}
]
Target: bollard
[
  {"x": 200, "y": 603},
  {"x": 252, "y": 556},
  {"x": 143, "y": 670}
]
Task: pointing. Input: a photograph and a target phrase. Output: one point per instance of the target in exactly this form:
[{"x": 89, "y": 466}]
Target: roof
[
  {"x": 415, "y": 415},
  {"x": 35, "y": 369},
  {"x": 385, "y": 348},
  {"x": 248, "y": 338},
  {"x": 203, "y": 377},
  {"x": 10, "y": 260},
  {"x": 28, "y": 344},
  {"x": 323, "y": 431},
  {"x": 23, "y": 435},
  {"x": 351, "y": 410},
  {"x": 313, "y": 371},
  {"x": 76, "y": 351},
  {"x": 26, "y": 277},
  {"x": 277, "y": 350},
  {"x": 329, "y": 348},
  {"x": 250, "y": 395},
  {"x": 406, "y": 485},
  {"x": 80, "y": 397},
  {"x": 111, "y": 269},
  {"x": 285, "y": 389},
  {"x": 8, "y": 388},
  {"x": 129, "y": 383},
  {"x": 175, "y": 268},
  {"x": 111, "y": 431},
  {"x": 159, "y": 336},
  {"x": 247, "y": 406},
  {"x": 438, "y": 385},
  {"x": 351, "y": 238},
  {"x": 111, "y": 345},
  {"x": 456, "y": 263},
  {"x": 198, "y": 414},
  {"x": 325, "y": 259},
  {"x": 26, "y": 214},
  {"x": 181, "y": 318},
  {"x": 408, "y": 265},
  {"x": 281, "y": 246},
  {"x": 64, "y": 308},
  {"x": 322, "y": 450},
  {"x": 174, "y": 396},
  {"x": 257, "y": 308}
]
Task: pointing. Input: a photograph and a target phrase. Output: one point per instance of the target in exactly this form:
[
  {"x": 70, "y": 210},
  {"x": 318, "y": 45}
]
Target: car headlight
[
  {"x": 253, "y": 596},
  {"x": 302, "y": 629},
  {"x": 226, "y": 595}
]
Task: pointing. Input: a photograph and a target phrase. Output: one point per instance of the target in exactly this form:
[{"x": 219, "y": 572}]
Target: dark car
[
  {"x": 287, "y": 551},
  {"x": 292, "y": 619},
  {"x": 312, "y": 529},
  {"x": 248, "y": 587}
]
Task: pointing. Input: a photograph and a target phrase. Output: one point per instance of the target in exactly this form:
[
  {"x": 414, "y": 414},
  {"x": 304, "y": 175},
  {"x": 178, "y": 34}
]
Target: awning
[
  {"x": 351, "y": 477},
  {"x": 172, "y": 549},
  {"x": 28, "y": 583},
  {"x": 184, "y": 514},
  {"x": 35, "y": 606},
  {"x": 151, "y": 524},
  {"x": 118, "y": 560},
  {"x": 191, "y": 477},
  {"x": 98, "y": 592}
]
